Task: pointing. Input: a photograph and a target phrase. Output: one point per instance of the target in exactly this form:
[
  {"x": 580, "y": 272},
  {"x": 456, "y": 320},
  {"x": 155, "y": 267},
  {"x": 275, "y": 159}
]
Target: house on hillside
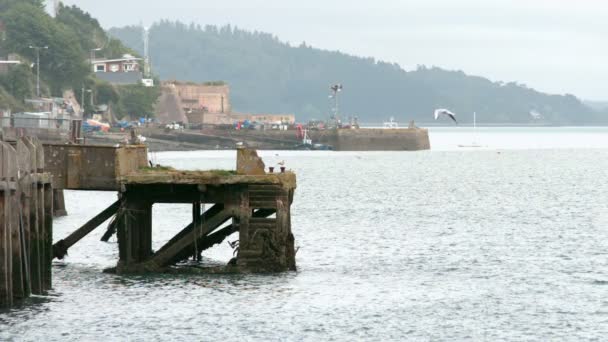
[{"x": 119, "y": 71}]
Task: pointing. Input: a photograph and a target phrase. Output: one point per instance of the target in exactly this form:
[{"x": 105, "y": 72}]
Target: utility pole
[
  {"x": 37, "y": 48},
  {"x": 82, "y": 99},
  {"x": 336, "y": 88},
  {"x": 146, "y": 38},
  {"x": 56, "y": 4}
]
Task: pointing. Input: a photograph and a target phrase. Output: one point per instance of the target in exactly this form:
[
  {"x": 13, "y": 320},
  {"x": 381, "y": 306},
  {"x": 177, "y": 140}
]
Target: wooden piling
[
  {"x": 5, "y": 293},
  {"x": 6, "y": 252},
  {"x": 134, "y": 224},
  {"x": 59, "y": 203},
  {"x": 25, "y": 222},
  {"x": 25, "y": 184},
  {"x": 48, "y": 236},
  {"x": 15, "y": 230}
]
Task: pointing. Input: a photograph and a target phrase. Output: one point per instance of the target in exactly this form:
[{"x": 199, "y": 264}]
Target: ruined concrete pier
[
  {"x": 248, "y": 201},
  {"x": 255, "y": 206}
]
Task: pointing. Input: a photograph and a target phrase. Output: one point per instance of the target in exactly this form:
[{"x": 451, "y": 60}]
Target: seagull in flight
[{"x": 445, "y": 112}]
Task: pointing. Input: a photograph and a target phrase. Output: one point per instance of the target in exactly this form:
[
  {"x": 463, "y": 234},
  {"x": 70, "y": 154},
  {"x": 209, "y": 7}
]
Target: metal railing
[{"x": 35, "y": 123}]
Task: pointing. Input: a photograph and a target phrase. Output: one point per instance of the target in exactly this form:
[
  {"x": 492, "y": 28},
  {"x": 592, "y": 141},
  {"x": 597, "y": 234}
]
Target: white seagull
[{"x": 445, "y": 112}]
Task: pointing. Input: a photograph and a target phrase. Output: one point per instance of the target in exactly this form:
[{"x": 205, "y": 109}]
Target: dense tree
[
  {"x": 70, "y": 38},
  {"x": 6, "y": 4},
  {"x": 137, "y": 101},
  {"x": 18, "y": 81},
  {"x": 62, "y": 63},
  {"x": 267, "y": 75}
]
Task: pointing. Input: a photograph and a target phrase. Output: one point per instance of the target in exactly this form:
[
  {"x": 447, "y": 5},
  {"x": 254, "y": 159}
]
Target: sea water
[{"x": 504, "y": 242}]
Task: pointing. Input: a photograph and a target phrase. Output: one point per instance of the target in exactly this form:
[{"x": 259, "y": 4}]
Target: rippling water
[{"x": 498, "y": 243}]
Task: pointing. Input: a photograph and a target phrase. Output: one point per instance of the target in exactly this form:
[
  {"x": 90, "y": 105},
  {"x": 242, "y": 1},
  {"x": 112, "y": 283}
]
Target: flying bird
[{"x": 445, "y": 112}]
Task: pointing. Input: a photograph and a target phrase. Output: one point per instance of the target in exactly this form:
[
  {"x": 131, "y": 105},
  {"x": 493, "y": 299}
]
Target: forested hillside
[
  {"x": 267, "y": 75},
  {"x": 69, "y": 39}
]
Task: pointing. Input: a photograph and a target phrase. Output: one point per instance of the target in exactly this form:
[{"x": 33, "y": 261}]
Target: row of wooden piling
[{"x": 26, "y": 221}]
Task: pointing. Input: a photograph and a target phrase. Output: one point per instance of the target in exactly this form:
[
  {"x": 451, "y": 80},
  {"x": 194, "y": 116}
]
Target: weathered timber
[
  {"x": 134, "y": 232},
  {"x": 111, "y": 230},
  {"x": 207, "y": 215},
  {"x": 48, "y": 235},
  {"x": 60, "y": 248},
  {"x": 209, "y": 240},
  {"x": 17, "y": 253},
  {"x": 196, "y": 220},
  {"x": 59, "y": 203},
  {"x": 164, "y": 256},
  {"x": 6, "y": 295},
  {"x": 266, "y": 244},
  {"x": 19, "y": 291},
  {"x": 25, "y": 221}
]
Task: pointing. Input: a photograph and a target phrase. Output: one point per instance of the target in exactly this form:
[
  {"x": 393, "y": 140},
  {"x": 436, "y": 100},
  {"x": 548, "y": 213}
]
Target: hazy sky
[{"x": 558, "y": 46}]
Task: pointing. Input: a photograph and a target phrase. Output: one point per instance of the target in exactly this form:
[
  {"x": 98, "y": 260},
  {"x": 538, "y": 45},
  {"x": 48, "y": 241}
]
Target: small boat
[
  {"x": 391, "y": 123},
  {"x": 474, "y": 142},
  {"x": 308, "y": 145}
]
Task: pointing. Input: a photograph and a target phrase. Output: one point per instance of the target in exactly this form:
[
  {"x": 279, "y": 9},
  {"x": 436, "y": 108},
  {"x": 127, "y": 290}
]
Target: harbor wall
[
  {"x": 374, "y": 139},
  {"x": 364, "y": 139}
]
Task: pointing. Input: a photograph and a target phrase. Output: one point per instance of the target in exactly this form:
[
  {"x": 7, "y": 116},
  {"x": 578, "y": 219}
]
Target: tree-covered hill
[
  {"x": 267, "y": 75},
  {"x": 64, "y": 63}
]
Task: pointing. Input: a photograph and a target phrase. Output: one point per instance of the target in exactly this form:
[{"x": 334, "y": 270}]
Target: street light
[
  {"x": 37, "y": 48},
  {"x": 336, "y": 88}
]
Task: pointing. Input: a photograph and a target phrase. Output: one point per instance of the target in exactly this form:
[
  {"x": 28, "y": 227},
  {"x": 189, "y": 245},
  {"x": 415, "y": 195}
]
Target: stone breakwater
[
  {"x": 364, "y": 139},
  {"x": 374, "y": 139}
]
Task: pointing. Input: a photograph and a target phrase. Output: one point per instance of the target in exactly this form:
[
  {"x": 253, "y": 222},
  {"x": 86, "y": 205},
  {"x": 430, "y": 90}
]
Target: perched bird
[{"x": 445, "y": 112}]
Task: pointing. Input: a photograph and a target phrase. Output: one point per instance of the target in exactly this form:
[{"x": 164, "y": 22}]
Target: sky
[{"x": 555, "y": 46}]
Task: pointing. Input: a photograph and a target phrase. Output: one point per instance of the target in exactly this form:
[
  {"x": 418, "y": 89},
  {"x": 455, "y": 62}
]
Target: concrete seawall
[
  {"x": 374, "y": 139},
  {"x": 364, "y": 139}
]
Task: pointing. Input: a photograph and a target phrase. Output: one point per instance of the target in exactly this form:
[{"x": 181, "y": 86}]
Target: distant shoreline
[{"x": 467, "y": 124}]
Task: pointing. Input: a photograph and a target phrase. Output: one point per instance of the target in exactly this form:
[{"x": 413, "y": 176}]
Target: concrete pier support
[
  {"x": 248, "y": 201},
  {"x": 266, "y": 244},
  {"x": 255, "y": 206},
  {"x": 134, "y": 229}
]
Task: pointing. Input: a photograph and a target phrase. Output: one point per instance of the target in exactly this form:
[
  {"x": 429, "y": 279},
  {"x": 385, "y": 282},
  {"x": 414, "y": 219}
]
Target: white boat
[
  {"x": 474, "y": 142},
  {"x": 391, "y": 123}
]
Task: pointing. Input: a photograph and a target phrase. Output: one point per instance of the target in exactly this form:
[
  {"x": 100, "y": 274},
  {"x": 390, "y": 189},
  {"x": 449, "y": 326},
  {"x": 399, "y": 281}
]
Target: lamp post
[
  {"x": 336, "y": 88},
  {"x": 37, "y": 48}
]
